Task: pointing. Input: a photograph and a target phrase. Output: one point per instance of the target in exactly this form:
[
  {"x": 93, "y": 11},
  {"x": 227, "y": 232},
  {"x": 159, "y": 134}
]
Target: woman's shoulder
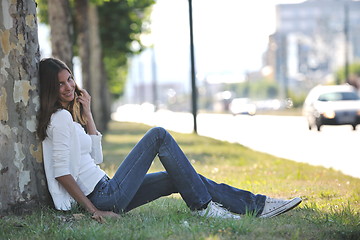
[
  {"x": 61, "y": 122},
  {"x": 61, "y": 115}
]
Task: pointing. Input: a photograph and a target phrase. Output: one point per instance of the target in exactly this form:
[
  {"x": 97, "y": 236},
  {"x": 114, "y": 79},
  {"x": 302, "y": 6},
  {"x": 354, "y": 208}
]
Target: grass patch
[{"x": 330, "y": 209}]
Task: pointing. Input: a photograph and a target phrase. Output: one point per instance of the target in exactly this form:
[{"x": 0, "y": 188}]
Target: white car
[
  {"x": 242, "y": 106},
  {"x": 332, "y": 105}
]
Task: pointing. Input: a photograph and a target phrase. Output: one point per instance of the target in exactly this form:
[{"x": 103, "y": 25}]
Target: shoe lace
[{"x": 216, "y": 209}]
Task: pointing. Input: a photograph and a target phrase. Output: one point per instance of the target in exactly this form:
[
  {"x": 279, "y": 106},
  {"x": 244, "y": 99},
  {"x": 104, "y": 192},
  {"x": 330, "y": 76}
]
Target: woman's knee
[{"x": 159, "y": 131}]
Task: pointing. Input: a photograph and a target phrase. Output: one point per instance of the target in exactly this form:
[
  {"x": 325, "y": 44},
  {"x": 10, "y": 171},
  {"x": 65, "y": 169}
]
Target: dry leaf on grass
[{"x": 78, "y": 216}]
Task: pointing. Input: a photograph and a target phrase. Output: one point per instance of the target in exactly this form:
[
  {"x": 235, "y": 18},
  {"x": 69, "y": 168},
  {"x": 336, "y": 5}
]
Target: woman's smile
[
  {"x": 69, "y": 94},
  {"x": 66, "y": 88}
]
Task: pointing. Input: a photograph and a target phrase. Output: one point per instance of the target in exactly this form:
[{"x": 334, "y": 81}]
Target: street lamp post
[
  {"x": 192, "y": 59},
  {"x": 346, "y": 33}
]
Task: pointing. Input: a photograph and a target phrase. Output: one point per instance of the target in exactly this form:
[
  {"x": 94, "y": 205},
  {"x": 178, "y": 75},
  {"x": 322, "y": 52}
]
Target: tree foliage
[
  {"x": 354, "y": 73},
  {"x": 122, "y": 23},
  {"x": 260, "y": 89}
]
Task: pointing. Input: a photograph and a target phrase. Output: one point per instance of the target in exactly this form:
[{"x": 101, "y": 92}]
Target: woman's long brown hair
[{"x": 49, "y": 95}]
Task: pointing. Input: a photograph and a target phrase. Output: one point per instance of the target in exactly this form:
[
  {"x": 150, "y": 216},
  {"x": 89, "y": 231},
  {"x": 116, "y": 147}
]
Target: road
[{"x": 283, "y": 136}]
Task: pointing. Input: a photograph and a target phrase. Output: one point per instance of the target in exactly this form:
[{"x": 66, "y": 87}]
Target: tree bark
[
  {"x": 100, "y": 100},
  {"x": 22, "y": 177},
  {"x": 105, "y": 99},
  {"x": 62, "y": 31},
  {"x": 82, "y": 25}
]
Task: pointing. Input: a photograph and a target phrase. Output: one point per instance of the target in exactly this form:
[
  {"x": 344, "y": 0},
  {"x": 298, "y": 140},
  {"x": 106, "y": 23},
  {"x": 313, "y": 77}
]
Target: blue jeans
[{"x": 132, "y": 186}]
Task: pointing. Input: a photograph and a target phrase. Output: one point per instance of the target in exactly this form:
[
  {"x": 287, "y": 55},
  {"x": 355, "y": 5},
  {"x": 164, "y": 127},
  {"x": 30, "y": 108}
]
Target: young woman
[{"x": 72, "y": 150}]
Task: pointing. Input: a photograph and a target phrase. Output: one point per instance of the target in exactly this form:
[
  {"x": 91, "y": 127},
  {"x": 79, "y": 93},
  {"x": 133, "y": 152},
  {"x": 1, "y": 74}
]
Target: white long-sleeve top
[{"x": 67, "y": 149}]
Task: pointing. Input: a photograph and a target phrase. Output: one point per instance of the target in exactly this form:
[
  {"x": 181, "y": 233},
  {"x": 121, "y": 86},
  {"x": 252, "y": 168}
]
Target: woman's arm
[
  {"x": 96, "y": 150},
  {"x": 69, "y": 183}
]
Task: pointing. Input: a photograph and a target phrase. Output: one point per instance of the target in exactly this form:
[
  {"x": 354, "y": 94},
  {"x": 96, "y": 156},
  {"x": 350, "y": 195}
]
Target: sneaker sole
[{"x": 283, "y": 209}]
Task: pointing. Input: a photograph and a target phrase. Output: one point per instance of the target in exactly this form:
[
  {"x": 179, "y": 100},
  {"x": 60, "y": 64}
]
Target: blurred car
[
  {"x": 242, "y": 106},
  {"x": 332, "y": 105}
]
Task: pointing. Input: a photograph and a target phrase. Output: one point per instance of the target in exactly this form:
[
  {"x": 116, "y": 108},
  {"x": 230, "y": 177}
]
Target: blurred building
[{"x": 312, "y": 41}]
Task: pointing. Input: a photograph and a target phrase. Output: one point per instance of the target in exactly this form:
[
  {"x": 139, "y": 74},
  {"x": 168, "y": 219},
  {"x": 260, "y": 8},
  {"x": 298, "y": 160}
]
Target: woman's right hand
[{"x": 100, "y": 216}]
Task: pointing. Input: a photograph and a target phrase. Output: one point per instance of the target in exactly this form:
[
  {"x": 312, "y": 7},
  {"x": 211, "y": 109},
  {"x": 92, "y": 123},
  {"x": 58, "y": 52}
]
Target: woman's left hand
[
  {"x": 85, "y": 99},
  {"x": 100, "y": 216}
]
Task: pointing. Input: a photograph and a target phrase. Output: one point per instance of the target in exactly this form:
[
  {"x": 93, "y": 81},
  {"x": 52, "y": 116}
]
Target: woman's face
[{"x": 66, "y": 88}]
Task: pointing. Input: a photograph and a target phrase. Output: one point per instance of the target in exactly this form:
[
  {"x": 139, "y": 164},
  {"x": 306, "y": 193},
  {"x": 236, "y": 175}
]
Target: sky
[
  {"x": 221, "y": 27},
  {"x": 230, "y": 37}
]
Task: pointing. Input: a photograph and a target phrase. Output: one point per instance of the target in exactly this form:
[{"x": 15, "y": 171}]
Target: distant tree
[
  {"x": 83, "y": 41},
  {"x": 264, "y": 89},
  {"x": 122, "y": 23},
  {"x": 99, "y": 87},
  {"x": 297, "y": 98},
  {"x": 354, "y": 75},
  {"x": 62, "y": 32},
  {"x": 22, "y": 178},
  {"x": 260, "y": 89}
]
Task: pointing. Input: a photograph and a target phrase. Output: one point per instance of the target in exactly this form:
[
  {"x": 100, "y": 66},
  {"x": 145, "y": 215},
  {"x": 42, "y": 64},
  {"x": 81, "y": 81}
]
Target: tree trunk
[
  {"x": 105, "y": 98},
  {"x": 82, "y": 23},
  {"x": 62, "y": 32},
  {"x": 100, "y": 102},
  {"x": 22, "y": 177}
]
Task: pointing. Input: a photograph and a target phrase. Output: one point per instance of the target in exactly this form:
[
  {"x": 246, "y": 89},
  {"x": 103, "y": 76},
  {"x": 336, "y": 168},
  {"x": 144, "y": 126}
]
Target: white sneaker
[
  {"x": 274, "y": 206},
  {"x": 217, "y": 211}
]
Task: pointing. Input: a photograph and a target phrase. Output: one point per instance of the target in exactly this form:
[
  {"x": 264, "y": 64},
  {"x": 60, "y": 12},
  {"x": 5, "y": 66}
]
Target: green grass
[{"x": 330, "y": 208}]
